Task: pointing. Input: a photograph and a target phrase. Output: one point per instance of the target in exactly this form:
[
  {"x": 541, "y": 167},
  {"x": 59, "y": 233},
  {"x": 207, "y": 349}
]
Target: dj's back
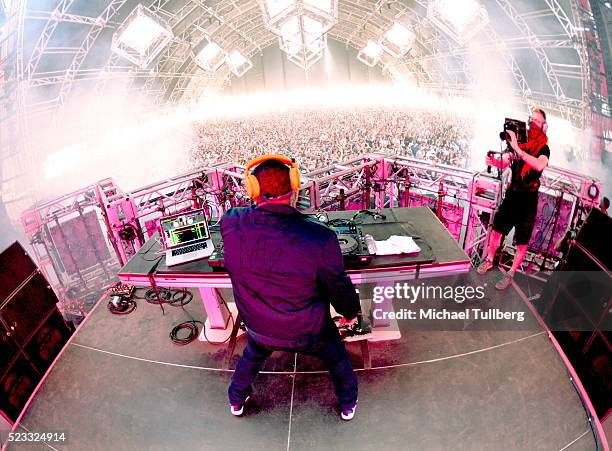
[{"x": 285, "y": 270}]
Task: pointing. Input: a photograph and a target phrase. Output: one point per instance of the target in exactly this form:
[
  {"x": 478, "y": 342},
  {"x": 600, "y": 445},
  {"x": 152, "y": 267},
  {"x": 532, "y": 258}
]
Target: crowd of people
[{"x": 318, "y": 137}]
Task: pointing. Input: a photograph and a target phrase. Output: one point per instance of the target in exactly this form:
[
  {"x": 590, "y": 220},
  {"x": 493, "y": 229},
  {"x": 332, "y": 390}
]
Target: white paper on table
[{"x": 397, "y": 245}]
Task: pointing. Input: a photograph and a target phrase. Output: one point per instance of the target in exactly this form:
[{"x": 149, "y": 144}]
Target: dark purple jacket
[{"x": 285, "y": 270}]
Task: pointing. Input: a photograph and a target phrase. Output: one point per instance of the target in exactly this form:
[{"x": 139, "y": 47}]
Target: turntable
[{"x": 348, "y": 244}]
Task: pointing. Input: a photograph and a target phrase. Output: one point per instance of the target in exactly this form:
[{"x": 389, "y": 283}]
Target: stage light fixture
[
  {"x": 459, "y": 13},
  {"x": 303, "y": 40},
  {"x": 301, "y": 26},
  {"x": 211, "y": 57},
  {"x": 461, "y": 20},
  {"x": 238, "y": 63},
  {"x": 277, "y": 12},
  {"x": 398, "y": 40},
  {"x": 141, "y": 37},
  {"x": 141, "y": 34},
  {"x": 370, "y": 54}
]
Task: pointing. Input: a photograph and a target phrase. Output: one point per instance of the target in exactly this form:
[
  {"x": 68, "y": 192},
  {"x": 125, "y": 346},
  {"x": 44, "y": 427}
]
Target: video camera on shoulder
[{"x": 518, "y": 127}]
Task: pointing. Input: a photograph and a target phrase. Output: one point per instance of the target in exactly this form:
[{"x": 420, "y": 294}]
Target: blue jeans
[{"x": 329, "y": 349}]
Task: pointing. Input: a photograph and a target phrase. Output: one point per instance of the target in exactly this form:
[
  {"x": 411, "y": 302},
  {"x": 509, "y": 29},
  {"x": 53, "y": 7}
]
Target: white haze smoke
[
  {"x": 122, "y": 136},
  {"x": 118, "y": 140},
  {"x": 493, "y": 100},
  {"x": 117, "y": 136}
]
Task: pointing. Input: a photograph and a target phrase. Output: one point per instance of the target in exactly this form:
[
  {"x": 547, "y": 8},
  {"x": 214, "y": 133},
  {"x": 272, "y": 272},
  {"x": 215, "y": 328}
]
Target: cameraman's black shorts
[{"x": 519, "y": 210}]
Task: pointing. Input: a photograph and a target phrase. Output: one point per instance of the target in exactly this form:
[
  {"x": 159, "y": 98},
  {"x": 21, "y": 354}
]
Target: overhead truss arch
[{"x": 238, "y": 25}]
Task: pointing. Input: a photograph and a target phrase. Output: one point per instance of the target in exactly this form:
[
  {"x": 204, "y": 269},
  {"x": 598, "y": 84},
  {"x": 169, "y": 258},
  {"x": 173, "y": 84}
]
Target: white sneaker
[
  {"x": 239, "y": 410},
  {"x": 348, "y": 415}
]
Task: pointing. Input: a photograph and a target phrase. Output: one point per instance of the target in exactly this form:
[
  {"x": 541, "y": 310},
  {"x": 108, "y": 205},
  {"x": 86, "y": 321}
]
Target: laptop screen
[{"x": 183, "y": 229}]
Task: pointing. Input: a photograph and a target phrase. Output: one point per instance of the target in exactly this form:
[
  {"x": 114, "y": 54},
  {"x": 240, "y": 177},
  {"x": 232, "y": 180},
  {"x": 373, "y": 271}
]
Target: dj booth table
[{"x": 440, "y": 255}]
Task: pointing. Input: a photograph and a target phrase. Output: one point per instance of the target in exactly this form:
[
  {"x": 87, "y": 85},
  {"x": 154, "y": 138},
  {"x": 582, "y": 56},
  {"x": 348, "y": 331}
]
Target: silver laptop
[{"x": 186, "y": 237}]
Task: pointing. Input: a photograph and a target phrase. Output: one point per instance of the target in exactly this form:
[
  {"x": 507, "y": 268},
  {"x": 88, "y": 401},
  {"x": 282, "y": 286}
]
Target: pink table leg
[{"x": 218, "y": 315}]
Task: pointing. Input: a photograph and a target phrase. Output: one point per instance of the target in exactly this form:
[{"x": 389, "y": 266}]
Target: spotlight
[
  {"x": 237, "y": 63},
  {"x": 303, "y": 49},
  {"x": 461, "y": 20},
  {"x": 593, "y": 191},
  {"x": 458, "y": 13},
  {"x": 301, "y": 26},
  {"x": 141, "y": 37},
  {"x": 211, "y": 57},
  {"x": 370, "y": 54},
  {"x": 398, "y": 40}
]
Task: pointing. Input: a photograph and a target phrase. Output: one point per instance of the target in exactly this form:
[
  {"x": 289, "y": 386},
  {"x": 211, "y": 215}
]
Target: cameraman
[{"x": 519, "y": 207}]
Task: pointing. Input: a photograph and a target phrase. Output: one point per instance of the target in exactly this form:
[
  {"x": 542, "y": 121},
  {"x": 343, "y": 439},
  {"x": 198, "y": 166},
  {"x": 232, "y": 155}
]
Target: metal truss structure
[
  {"x": 534, "y": 41},
  {"x": 569, "y": 108},
  {"x": 463, "y": 200},
  {"x": 44, "y": 224},
  {"x": 240, "y": 26}
]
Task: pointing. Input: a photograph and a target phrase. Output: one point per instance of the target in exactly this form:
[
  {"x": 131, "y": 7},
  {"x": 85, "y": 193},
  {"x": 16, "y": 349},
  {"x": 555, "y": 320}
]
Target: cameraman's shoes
[
  {"x": 505, "y": 282},
  {"x": 484, "y": 267}
]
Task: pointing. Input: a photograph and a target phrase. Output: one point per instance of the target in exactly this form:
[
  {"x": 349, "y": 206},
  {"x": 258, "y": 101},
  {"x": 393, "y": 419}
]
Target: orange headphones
[{"x": 252, "y": 184}]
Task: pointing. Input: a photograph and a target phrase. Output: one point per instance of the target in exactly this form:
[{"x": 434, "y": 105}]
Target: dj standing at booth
[
  {"x": 520, "y": 204},
  {"x": 285, "y": 270}
]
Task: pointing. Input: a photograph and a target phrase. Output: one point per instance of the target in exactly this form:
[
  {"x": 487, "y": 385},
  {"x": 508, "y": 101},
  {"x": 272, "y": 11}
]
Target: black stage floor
[{"x": 121, "y": 384}]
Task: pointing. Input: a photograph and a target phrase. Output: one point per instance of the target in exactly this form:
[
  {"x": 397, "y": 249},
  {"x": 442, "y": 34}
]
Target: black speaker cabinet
[
  {"x": 32, "y": 330},
  {"x": 48, "y": 341},
  {"x": 589, "y": 353},
  {"x": 8, "y": 350},
  {"x": 593, "y": 236},
  {"x": 16, "y": 386},
  {"x": 576, "y": 304},
  {"x": 15, "y": 267},
  {"x": 25, "y": 310}
]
